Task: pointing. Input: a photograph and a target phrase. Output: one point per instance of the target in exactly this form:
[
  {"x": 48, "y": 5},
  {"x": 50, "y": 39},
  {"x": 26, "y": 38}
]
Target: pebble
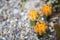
[
  {"x": 51, "y": 23},
  {"x": 22, "y": 13},
  {"x": 15, "y": 11}
]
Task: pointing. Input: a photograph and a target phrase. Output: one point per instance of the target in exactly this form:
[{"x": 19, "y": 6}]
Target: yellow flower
[
  {"x": 40, "y": 27},
  {"x": 33, "y": 15},
  {"x": 47, "y": 10}
]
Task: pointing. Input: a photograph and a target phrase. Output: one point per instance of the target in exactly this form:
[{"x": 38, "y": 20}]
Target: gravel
[{"x": 16, "y": 26}]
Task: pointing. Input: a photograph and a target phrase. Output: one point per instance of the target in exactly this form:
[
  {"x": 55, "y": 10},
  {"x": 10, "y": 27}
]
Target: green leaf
[
  {"x": 22, "y": 4},
  {"x": 39, "y": 36},
  {"x": 45, "y": 18},
  {"x": 46, "y": 35},
  {"x": 32, "y": 23},
  {"x": 23, "y": 0}
]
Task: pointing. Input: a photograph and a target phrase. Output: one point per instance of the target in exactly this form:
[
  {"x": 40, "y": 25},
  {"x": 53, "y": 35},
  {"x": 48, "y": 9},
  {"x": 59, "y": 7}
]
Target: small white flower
[{"x": 42, "y": 18}]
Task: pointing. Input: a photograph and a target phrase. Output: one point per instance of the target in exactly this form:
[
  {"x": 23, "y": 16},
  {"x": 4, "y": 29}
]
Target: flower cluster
[
  {"x": 40, "y": 27},
  {"x": 46, "y": 11}
]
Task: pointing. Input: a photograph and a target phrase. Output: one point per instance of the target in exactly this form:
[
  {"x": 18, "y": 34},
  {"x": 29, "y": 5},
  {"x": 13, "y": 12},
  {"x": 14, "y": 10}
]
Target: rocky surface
[{"x": 14, "y": 23}]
